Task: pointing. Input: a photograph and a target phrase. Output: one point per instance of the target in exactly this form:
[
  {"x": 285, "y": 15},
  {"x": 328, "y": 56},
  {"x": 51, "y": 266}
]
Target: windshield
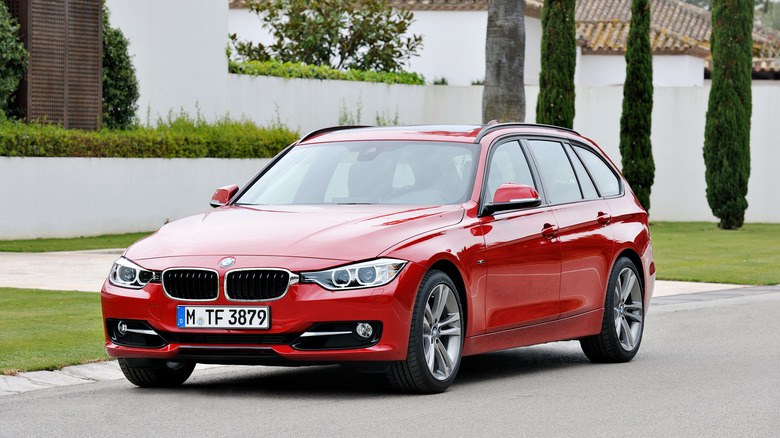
[{"x": 368, "y": 172}]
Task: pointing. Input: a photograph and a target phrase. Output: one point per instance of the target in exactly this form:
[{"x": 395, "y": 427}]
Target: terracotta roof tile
[{"x": 608, "y": 37}]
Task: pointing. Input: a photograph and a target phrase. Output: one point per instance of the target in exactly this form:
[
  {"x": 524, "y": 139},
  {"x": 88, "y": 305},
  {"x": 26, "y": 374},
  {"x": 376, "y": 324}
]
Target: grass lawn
[
  {"x": 75, "y": 244},
  {"x": 700, "y": 251},
  {"x": 47, "y": 330}
]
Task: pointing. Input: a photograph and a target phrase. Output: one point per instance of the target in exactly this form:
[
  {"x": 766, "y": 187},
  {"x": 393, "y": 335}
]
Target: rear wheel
[
  {"x": 152, "y": 373},
  {"x": 435, "y": 339},
  {"x": 623, "y": 323}
]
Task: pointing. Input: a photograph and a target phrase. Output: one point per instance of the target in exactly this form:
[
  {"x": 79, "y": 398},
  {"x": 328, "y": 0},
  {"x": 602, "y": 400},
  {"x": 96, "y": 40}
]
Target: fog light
[
  {"x": 121, "y": 328},
  {"x": 364, "y": 330}
]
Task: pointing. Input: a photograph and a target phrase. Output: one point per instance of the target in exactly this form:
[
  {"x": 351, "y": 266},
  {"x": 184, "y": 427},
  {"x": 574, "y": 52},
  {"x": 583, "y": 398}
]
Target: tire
[
  {"x": 152, "y": 373},
  {"x": 624, "y": 317},
  {"x": 435, "y": 339}
]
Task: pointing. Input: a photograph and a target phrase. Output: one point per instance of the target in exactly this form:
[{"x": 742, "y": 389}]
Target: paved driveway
[
  {"x": 72, "y": 270},
  {"x": 86, "y": 270}
]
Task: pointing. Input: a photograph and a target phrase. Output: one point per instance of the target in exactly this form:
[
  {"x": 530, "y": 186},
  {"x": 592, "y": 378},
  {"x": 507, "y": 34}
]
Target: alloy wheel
[
  {"x": 441, "y": 332},
  {"x": 628, "y": 311}
]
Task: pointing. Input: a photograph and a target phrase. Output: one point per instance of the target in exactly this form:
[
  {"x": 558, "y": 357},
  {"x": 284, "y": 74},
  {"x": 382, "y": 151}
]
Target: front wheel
[
  {"x": 624, "y": 317},
  {"x": 152, "y": 373},
  {"x": 435, "y": 339}
]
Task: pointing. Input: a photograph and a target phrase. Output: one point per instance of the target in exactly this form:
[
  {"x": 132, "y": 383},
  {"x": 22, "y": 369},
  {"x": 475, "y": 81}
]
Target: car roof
[{"x": 451, "y": 133}]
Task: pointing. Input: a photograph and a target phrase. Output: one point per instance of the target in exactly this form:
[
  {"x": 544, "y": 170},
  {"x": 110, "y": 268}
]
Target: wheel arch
[
  {"x": 636, "y": 260},
  {"x": 453, "y": 272}
]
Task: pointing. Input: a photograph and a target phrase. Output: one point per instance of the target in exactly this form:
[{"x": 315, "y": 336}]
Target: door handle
[
  {"x": 549, "y": 231},
  {"x": 603, "y": 218}
]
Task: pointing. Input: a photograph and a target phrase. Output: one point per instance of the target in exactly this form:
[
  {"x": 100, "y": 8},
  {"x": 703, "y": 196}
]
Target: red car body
[{"x": 559, "y": 256}]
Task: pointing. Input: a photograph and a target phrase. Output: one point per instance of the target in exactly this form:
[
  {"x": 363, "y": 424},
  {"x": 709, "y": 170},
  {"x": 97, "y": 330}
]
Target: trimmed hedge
[
  {"x": 290, "y": 70},
  {"x": 181, "y": 138}
]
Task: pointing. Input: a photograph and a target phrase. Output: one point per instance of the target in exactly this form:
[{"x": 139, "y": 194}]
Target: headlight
[
  {"x": 125, "y": 273},
  {"x": 356, "y": 276}
]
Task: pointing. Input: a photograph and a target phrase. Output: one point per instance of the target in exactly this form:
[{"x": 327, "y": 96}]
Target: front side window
[
  {"x": 368, "y": 172},
  {"x": 507, "y": 165}
]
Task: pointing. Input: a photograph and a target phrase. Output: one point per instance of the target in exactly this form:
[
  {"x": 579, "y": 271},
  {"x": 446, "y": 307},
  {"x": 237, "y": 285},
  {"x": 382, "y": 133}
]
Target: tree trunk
[{"x": 503, "y": 96}]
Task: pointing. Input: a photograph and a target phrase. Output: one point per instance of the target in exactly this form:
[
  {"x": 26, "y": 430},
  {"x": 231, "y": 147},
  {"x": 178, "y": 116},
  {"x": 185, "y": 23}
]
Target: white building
[{"x": 454, "y": 40}]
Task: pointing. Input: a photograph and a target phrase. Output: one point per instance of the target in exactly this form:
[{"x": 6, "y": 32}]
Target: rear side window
[
  {"x": 586, "y": 184},
  {"x": 558, "y": 178},
  {"x": 606, "y": 180}
]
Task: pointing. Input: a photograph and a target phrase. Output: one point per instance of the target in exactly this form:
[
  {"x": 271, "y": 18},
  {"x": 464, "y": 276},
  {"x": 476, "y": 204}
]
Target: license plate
[{"x": 224, "y": 317}]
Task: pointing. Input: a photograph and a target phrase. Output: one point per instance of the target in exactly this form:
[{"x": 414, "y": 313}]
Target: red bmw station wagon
[{"x": 397, "y": 249}]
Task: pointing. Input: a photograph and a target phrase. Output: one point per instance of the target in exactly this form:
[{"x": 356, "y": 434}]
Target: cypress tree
[
  {"x": 555, "y": 105},
  {"x": 727, "y": 129},
  {"x": 635, "y": 122}
]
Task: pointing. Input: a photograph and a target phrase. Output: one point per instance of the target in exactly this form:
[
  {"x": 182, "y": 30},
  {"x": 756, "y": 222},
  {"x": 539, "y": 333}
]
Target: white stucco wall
[
  {"x": 668, "y": 71},
  {"x": 178, "y": 50},
  {"x": 678, "y": 71},
  {"x": 309, "y": 104},
  {"x": 70, "y": 197}
]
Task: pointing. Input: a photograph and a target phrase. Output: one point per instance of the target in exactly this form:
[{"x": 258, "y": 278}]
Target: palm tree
[{"x": 503, "y": 96}]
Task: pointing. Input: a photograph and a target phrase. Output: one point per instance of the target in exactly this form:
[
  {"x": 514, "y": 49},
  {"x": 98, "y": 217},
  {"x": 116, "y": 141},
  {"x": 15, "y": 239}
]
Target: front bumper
[{"x": 301, "y": 325}]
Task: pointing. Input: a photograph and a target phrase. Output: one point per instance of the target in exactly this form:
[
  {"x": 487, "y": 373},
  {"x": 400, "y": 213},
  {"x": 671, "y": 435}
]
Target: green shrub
[
  {"x": 13, "y": 60},
  {"x": 635, "y": 122},
  {"x": 727, "y": 128},
  {"x": 555, "y": 105},
  {"x": 120, "y": 87},
  {"x": 180, "y": 137},
  {"x": 291, "y": 70},
  {"x": 343, "y": 34}
]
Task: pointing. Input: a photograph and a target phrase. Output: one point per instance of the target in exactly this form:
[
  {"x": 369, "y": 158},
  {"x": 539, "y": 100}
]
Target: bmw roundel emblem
[{"x": 227, "y": 262}]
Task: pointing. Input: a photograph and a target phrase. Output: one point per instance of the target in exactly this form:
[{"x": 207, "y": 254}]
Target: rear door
[{"x": 583, "y": 221}]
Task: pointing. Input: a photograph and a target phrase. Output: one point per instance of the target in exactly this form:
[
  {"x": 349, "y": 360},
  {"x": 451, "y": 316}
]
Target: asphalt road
[{"x": 704, "y": 369}]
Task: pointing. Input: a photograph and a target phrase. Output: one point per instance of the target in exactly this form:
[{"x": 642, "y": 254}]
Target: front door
[{"x": 523, "y": 254}]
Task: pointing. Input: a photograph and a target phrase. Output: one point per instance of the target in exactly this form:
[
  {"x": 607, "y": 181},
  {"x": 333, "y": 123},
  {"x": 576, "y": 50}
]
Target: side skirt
[{"x": 572, "y": 327}]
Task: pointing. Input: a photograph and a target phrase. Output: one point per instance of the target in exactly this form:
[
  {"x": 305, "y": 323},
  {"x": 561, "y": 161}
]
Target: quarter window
[
  {"x": 606, "y": 180},
  {"x": 586, "y": 184}
]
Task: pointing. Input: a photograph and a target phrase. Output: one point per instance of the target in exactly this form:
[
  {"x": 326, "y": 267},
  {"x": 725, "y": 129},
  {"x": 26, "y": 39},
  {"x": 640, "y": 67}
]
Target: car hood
[{"x": 335, "y": 232}]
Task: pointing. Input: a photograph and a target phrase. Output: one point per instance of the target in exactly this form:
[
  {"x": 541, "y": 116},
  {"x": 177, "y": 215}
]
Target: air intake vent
[
  {"x": 258, "y": 284},
  {"x": 191, "y": 284}
]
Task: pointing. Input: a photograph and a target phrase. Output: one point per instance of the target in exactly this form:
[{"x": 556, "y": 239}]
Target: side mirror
[
  {"x": 510, "y": 196},
  {"x": 223, "y": 195}
]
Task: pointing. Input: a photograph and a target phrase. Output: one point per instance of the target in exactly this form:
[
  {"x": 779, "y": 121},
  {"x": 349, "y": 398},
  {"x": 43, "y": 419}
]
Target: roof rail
[
  {"x": 330, "y": 129},
  {"x": 490, "y": 128}
]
